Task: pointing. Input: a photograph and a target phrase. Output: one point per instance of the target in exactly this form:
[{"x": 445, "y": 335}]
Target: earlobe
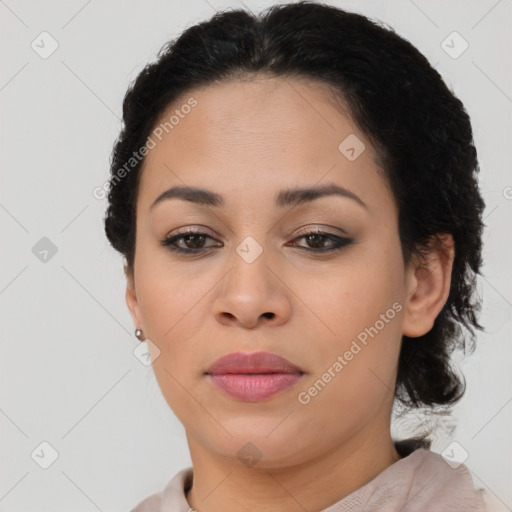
[{"x": 428, "y": 286}]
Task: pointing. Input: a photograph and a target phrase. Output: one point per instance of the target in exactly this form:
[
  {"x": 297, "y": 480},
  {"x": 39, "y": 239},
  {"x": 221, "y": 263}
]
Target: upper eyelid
[
  {"x": 302, "y": 232},
  {"x": 201, "y": 229}
]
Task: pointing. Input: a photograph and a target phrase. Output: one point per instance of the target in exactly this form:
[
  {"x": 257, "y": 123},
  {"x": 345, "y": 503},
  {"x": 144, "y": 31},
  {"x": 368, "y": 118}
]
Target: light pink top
[{"x": 420, "y": 482}]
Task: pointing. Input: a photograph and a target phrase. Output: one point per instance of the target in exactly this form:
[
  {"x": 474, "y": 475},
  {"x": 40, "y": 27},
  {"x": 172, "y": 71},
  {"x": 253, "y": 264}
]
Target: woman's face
[{"x": 260, "y": 284}]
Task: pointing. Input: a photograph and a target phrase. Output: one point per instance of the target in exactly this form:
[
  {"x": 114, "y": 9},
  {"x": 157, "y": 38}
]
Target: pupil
[
  {"x": 188, "y": 237},
  {"x": 316, "y": 237}
]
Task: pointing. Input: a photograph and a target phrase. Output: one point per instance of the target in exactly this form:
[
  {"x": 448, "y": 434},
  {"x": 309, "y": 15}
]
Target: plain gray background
[{"x": 68, "y": 375}]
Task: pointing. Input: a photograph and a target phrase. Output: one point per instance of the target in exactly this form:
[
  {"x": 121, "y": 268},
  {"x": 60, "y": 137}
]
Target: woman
[{"x": 295, "y": 196}]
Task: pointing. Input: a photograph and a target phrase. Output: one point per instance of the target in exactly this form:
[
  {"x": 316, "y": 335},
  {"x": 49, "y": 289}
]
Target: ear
[
  {"x": 428, "y": 285},
  {"x": 131, "y": 297}
]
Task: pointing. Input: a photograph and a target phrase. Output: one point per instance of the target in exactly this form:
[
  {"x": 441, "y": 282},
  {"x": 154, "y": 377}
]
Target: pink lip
[{"x": 253, "y": 376}]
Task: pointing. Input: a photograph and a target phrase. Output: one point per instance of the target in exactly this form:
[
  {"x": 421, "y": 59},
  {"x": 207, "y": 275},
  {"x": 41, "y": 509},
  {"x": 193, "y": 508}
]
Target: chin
[{"x": 255, "y": 448}]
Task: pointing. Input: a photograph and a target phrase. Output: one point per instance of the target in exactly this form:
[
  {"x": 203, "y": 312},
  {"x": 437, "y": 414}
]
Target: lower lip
[{"x": 254, "y": 387}]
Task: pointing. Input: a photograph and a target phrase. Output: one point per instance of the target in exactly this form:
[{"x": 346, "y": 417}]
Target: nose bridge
[
  {"x": 250, "y": 231},
  {"x": 254, "y": 254},
  {"x": 252, "y": 262},
  {"x": 251, "y": 290}
]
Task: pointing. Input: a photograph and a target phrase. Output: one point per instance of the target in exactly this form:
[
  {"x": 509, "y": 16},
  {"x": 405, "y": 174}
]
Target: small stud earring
[{"x": 139, "y": 335}]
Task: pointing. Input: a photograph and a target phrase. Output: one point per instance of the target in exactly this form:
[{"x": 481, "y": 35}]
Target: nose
[{"x": 252, "y": 294}]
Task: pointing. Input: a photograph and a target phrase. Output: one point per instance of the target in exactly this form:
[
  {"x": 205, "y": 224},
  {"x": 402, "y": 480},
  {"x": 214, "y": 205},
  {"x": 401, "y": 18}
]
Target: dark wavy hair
[{"x": 421, "y": 133}]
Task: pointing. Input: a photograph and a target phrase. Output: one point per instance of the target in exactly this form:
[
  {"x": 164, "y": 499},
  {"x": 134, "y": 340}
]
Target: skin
[{"x": 247, "y": 140}]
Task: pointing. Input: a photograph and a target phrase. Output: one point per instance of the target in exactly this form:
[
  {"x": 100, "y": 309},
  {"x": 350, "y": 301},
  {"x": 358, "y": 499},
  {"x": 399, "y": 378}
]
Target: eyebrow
[{"x": 289, "y": 197}]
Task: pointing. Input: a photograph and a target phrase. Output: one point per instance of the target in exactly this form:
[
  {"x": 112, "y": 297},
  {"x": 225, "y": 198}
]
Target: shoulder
[
  {"x": 437, "y": 482},
  {"x": 150, "y": 504},
  {"x": 172, "y": 498}
]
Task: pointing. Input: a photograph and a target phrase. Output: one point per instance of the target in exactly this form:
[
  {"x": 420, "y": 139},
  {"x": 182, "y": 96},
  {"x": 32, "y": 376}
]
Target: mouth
[
  {"x": 252, "y": 362},
  {"x": 253, "y": 377},
  {"x": 254, "y": 387}
]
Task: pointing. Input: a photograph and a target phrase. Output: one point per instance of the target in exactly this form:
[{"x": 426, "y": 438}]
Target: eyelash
[{"x": 339, "y": 242}]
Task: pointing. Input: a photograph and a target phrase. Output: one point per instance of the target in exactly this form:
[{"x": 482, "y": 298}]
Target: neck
[{"x": 224, "y": 484}]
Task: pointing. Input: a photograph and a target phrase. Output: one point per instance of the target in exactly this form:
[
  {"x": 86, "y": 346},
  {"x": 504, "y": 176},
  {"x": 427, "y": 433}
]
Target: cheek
[
  {"x": 350, "y": 295},
  {"x": 360, "y": 312},
  {"x": 166, "y": 293},
  {"x": 167, "y": 305},
  {"x": 171, "y": 322},
  {"x": 355, "y": 378}
]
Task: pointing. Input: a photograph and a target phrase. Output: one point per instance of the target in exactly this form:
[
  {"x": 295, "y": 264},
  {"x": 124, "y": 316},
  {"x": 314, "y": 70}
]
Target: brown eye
[
  {"x": 317, "y": 239},
  {"x": 193, "y": 242}
]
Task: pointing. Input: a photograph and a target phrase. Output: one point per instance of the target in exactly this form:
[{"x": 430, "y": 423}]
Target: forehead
[
  {"x": 259, "y": 109},
  {"x": 260, "y": 133}
]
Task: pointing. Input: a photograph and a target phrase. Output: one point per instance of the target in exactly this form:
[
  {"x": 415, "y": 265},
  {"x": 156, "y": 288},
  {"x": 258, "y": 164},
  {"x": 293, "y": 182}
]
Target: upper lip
[{"x": 252, "y": 362}]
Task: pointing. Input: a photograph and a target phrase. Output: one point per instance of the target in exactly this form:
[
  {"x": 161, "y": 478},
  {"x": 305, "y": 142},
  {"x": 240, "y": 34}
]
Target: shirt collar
[{"x": 422, "y": 480}]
